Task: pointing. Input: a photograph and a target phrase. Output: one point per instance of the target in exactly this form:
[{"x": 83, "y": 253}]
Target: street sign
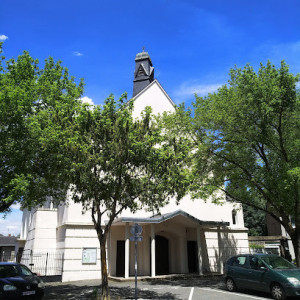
[
  {"x": 136, "y": 229},
  {"x": 136, "y": 238}
]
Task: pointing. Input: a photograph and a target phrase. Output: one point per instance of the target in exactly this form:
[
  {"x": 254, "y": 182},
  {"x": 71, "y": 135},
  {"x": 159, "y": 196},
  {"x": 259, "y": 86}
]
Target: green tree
[
  {"x": 51, "y": 142},
  {"x": 248, "y": 143},
  {"x": 36, "y": 111},
  {"x": 120, "y": 163},
  {"x": 255, "y": 221}
]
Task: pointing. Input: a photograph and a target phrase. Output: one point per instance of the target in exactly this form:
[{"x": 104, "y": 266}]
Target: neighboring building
[
  {"x": 275, "y": 239},
  {"x": 7, "y": 248},
  {"x": 192, "y": 237},
  {"x": 275, "y": 244},
  {"x": 274, "y": 228}
]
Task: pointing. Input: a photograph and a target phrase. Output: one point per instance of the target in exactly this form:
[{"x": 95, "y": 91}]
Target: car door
[
  {"x": 257, "y": 277},
  {"x": 239, "y": 270}
]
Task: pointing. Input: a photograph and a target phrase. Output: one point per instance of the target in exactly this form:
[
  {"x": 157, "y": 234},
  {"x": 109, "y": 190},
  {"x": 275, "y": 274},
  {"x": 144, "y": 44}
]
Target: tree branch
[
  {"x": 279, "y": 130},
  {"x": 251, "y": 178},
  {"x": 253, "y": 205}
]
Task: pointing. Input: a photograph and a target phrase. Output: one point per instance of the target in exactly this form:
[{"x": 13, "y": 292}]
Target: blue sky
[{"x": 192, "y": 43}]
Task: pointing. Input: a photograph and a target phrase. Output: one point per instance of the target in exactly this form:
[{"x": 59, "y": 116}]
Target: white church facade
[{"x": 192, "y": 237}]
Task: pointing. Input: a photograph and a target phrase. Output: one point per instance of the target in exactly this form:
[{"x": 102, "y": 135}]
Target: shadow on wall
[{"x": 227, "y": 247}]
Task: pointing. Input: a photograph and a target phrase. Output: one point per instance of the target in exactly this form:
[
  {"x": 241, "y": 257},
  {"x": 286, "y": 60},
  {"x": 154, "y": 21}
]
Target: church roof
[
  {"x": 143, "y": 55},
  {"x": 155, "y": 81},
  {"x": 162, "y": 218}
]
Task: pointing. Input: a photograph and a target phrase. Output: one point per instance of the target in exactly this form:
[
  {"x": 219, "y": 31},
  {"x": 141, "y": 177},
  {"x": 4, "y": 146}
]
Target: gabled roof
[
  {"x": 141, "y": 68},
  {"x": 162, "y": 218},
  {"x": 144, "y": 70},
  {"x": 155, "y": 81},
  {"x": 8, "y": 241}
]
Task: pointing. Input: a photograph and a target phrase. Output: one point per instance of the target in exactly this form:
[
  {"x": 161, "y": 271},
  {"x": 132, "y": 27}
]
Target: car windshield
[
  {"x": 14, "y": 270},
  {"x": 277, "y": 262},
  {"x": 24, "y": 271}
]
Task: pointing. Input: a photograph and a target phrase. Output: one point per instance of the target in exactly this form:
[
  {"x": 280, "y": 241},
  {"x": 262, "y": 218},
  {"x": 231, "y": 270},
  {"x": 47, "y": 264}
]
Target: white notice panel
[{"x": 89, "y": 255}]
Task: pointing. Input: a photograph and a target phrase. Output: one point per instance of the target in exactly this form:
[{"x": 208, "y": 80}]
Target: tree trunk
[
  {"x": 294, "y": 233},
  {"x": 296, "y": 244},
  {"x": 105, "y": 290}
]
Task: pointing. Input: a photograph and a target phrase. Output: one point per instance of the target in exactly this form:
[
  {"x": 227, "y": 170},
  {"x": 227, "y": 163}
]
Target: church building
[{"x": 192, "y": 237}]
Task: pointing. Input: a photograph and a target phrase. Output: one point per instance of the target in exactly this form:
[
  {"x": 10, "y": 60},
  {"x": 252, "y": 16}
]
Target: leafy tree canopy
[
  {"x": 248, "y": 143},
  {"x": 51, "y": 142},
  {"x": 36, "y": 110}
]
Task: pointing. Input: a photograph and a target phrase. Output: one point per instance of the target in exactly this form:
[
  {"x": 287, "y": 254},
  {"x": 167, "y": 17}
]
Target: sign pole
[
  {"x": 135, "y": 267},
  {"x": 136, "y": 231}
]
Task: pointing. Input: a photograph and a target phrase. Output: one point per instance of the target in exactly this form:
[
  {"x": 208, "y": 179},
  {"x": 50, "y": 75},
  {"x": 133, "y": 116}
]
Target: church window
[{"x": 233, "y": 216}]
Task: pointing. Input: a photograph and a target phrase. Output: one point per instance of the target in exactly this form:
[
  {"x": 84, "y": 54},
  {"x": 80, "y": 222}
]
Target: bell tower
[{"x": 143, "y": 73}]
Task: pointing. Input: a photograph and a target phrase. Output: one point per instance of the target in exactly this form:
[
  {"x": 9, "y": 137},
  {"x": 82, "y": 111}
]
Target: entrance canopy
[{"x": 178, "y": 215}]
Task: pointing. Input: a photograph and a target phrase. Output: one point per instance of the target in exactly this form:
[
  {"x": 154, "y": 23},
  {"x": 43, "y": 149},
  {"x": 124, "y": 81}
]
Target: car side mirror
[{"x": 263, "y": 269}]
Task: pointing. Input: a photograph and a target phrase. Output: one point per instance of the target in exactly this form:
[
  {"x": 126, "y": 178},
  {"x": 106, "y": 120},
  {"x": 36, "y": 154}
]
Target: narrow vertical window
[{"x": 233, "y": 216}]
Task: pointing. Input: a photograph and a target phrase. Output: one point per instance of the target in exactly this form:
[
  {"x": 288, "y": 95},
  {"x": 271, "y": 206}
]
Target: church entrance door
[
  {"x": 192, "y": 250},
  {"x": 161, "y": 255},
  {"x": 120, "y": 263}
]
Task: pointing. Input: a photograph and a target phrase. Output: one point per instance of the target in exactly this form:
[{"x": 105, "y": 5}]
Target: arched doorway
[{"x": 161, "y": 255}]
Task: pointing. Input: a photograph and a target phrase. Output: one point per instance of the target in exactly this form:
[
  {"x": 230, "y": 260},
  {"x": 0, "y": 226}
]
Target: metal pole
[
  {"x": 135, "y": 267},
  {"x": 46, "y": 264}
]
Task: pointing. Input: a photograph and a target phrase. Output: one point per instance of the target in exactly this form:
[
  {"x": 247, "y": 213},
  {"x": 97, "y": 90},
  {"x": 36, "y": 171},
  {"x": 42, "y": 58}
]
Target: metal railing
[{"x": 42, "y": 263}]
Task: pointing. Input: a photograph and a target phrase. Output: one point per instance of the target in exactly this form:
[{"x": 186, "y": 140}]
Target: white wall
[
  {"x": 153, "y": 95},
  {"x": 41, "y": 233},
  {"x": 75, "y": 239}
]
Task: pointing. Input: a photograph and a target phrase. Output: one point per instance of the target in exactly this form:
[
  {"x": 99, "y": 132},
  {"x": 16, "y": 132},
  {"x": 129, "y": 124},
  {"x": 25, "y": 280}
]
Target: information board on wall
[{"x": 89, "y": 255}]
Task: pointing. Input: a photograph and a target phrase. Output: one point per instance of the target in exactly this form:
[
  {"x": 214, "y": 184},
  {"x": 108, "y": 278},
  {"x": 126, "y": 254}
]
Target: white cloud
[
  {"x": 11, "y": 224},
  {"x": 278, "y": 52},
  {"x": 76, "y": 53},
  {"x": 87, "y": 100},
  {"x": 16, "y": 206},
  {"x": 187, "y": 89},
  {"x": 3, "y": 37}
]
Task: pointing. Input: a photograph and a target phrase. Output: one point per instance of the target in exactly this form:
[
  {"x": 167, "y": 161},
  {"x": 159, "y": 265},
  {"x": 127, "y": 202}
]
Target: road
[{"x": 189, "y": 288}]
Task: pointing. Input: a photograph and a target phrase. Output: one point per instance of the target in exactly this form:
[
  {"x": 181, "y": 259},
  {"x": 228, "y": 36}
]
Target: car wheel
[
  {"x": 230, "y": 285},
  {"x": 278, "y": 292}
]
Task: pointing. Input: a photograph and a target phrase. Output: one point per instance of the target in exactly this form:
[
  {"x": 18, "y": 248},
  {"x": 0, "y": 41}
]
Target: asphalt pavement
[{"x": 179, "y": 288}]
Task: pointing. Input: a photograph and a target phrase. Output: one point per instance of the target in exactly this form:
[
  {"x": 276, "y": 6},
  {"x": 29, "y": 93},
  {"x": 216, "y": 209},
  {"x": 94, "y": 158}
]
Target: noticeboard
[{"x": 89, "y": 255}]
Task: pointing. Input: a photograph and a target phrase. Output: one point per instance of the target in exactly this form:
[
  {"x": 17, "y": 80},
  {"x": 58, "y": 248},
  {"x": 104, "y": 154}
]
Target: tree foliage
[
  {"x": 255, "y": 221},
  {"x": 248, "y": 140},
  {"x": 36, "y": 109}
]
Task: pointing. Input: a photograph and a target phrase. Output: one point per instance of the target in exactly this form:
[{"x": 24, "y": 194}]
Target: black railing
[{"x": 42, "y": 263}]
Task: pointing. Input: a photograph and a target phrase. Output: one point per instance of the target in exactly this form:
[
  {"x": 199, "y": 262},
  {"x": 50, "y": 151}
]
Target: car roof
[
  {"x": 8, "y": 263},
  {"x": 263, "y": 254},
  {"x": 257, "y": 254}
]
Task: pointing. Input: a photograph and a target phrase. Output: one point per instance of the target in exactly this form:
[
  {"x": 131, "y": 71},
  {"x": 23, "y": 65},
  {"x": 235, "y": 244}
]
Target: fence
[{"x": 42, "y": 263}]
